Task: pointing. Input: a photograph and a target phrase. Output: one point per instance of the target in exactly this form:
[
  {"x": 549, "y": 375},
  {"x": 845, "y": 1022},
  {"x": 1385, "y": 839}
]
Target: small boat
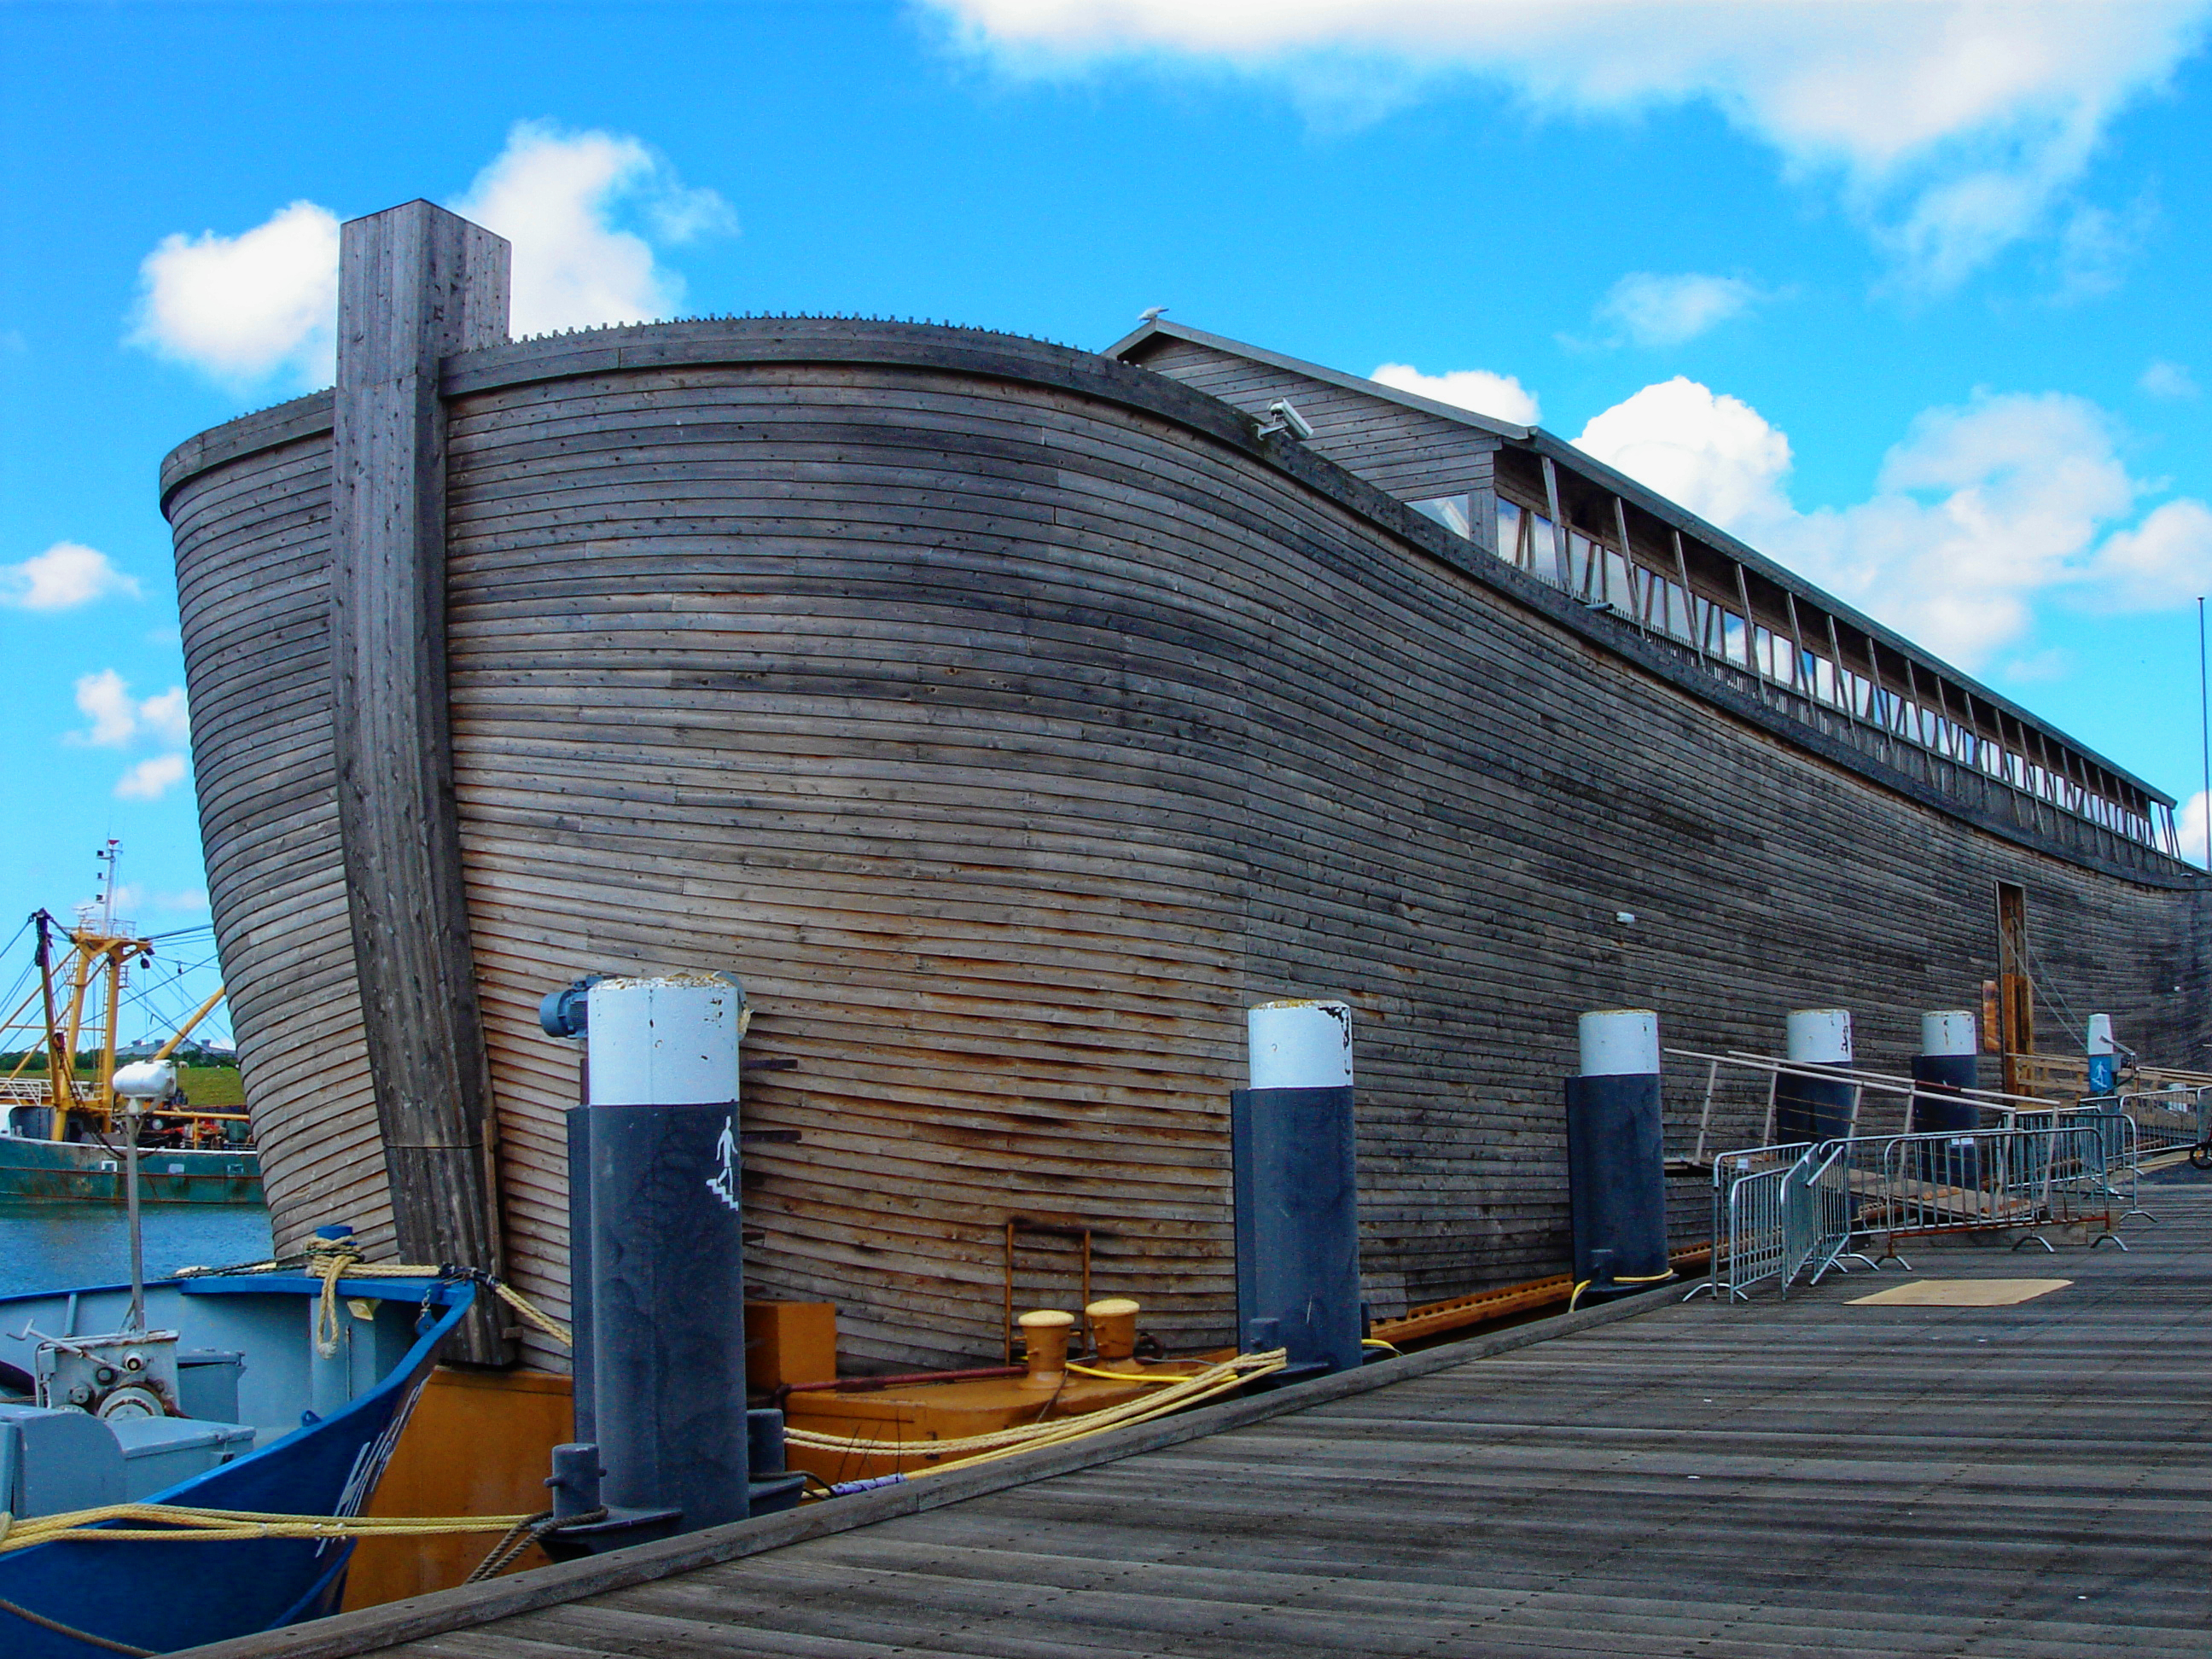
[
  {"x": 215, "y": 1393},
  {"x": 187, "y": 1153}
]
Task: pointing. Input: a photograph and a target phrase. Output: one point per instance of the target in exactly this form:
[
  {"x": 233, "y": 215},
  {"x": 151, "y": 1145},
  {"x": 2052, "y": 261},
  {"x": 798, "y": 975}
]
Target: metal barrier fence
[
  {"x": 1786, "y": 1213},
  {"x": 1750, "y": 1241},
  {"x": 2173, "y": 1118}
]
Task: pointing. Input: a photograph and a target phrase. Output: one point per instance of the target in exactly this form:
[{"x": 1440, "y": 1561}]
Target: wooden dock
[{"x": 1779, "y": 1477}]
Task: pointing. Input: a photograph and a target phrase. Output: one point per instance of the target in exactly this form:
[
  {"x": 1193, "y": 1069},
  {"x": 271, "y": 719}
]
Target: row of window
[{"x": 1600, "y": 576}]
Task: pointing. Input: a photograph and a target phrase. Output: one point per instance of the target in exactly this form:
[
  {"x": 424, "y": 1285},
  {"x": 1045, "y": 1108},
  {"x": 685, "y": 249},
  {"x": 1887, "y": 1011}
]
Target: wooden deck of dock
[{"x": 1818, "y": 1475}]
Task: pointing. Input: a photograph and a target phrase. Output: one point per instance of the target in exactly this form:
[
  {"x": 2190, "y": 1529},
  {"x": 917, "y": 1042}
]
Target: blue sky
[{"x": 1912, "y": 295}]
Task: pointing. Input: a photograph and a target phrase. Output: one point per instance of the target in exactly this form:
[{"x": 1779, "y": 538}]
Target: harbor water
[{"x": 45, "y": 1246}]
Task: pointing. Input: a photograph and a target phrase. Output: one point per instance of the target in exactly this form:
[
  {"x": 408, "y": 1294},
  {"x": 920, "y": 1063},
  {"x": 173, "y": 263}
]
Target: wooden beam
[
  {"x": 1798, "y": 667},
  {"x": 1690, "y": 597},
  {"x": 1843, "y": 674},
  {"x": 1750, "y": 632},
  {"x": 1558, "y": 524},
  {"x": 1628, "y": 568},
  {"x": 415, "y": 284}
]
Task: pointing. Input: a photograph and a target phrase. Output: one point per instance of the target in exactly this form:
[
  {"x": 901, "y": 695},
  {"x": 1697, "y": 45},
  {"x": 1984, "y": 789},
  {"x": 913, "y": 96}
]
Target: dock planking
[{"x": 1807, "y": 1476}]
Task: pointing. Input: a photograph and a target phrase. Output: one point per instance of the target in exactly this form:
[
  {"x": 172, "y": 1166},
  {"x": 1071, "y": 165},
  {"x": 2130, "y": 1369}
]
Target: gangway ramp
[{"x": 1777, "y": 1477}]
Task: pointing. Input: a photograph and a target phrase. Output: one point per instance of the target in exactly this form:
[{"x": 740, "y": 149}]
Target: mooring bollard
[
  {"x": 1815, "y": 1108},
  {"x": 658, "y": 1243},
  {"x": 1617, "y": 1155},
  {"x": 2103, "y": 1052},
  {"x": 1945, "y": 1065},
  {"x": 1296, "y": 1187}
]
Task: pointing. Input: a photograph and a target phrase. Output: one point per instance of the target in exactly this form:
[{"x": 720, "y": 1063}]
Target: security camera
[{"x": 1283, "y": 416}]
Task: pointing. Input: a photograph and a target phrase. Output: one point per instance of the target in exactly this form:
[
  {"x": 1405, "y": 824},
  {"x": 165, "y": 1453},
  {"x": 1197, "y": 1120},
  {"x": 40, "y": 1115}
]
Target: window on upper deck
[{"x": 1454, "y": 512}]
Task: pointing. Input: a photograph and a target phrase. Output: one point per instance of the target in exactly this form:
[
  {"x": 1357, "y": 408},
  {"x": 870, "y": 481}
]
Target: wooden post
[
  {"x": 2015, "y": 989},
  {"x": 415, "y": 284},
  {"x": 1689, "y": 597},
  {"x": 1750, "y": 633},
  {"x": 1799, "y": 668},
  {"x": 1559, "y": 527},
  {"x": 1628, "y": 568},
  {"x": 1843, "y": 676}
]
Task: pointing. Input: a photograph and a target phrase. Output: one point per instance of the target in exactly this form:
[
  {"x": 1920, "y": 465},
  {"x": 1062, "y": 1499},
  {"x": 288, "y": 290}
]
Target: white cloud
[
  {"x": 118, "y": 717},
  {"x": 264, "y": 304},
  {"x": 246, "y": 308},
  {"x": 1650, "y": 310},
  {"x": 2165, "y": 561},
  {"x": 152, "y": 778},
  {"x": 167, "y": 718},
  {"x": 1954, "y": 126},
  {"x": 555, "y": 194},
  {"x": 66, "y": 575},
  {"x": 105, "y": 698},
  {"x": 1978, "y": 511},
  {"x": 2188, "y": 827},
  {"x": 2165, "y": 379},
  {"x": 1712, "y": 453},
  {"x": 2096, "y": 248},
  {"x": 1498, "y": 396}
]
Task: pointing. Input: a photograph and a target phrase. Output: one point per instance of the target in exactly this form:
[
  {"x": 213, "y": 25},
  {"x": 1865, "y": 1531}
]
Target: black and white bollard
[
  {"x": 1617, "y": 1156},
  {"x": 2104, "y": 1056},
  {"x": 1945, "y": 1065},
  {"x": 662, "y": 1343},
  {"x": 1296, "y": 1190},
  {"x": 1816, "y": 1108}
]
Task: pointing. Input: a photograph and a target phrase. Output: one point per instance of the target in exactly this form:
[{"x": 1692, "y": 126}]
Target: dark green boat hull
[{"x": 75, "y": 1172}]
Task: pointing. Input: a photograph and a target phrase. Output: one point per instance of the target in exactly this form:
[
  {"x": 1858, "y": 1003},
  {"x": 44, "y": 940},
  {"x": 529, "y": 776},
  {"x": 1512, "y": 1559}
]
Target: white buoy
[
  {"x": 1948, "y": 1032},
  {"x": 1294, "y": 1045},
  {"x": 671, "y": 1040},
  {"x": 1619, "y": 1042},
  {"x": 1820, "y": 1036}
]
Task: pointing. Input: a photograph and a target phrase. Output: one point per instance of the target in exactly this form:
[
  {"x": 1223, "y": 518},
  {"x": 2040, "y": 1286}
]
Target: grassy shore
[{"x": 218, "y": 1088}]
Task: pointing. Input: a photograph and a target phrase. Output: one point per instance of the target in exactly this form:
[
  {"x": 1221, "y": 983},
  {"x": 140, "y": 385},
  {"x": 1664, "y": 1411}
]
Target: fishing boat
[
  {"x": 62, "y": 1130},
  {"x": 214, "y": 1391}
]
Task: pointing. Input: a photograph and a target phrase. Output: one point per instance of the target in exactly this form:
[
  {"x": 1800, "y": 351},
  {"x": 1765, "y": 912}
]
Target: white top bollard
[
  {"x": 1621, "y": 1042},
  {"x": 1299, "y": 1045},
  {"x": 1820, "y": 1037},
  {"x": 1949, "y": 1032},
  {"x": 671, "y": 1040},
  {"x": 2100, "y": 1036}
]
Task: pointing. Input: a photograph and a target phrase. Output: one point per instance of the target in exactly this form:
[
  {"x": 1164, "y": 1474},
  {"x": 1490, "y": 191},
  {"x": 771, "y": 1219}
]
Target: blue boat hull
[{"x": 162, "y": 1596}]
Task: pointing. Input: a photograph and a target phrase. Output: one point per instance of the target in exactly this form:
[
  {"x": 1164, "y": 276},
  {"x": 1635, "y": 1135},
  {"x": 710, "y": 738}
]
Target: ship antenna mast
[{"x": 107, "y": 856}]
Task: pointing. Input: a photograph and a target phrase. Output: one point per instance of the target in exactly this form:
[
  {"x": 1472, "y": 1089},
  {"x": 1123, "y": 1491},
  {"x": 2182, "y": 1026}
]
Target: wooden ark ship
[{"x": 1009, "y": 718}]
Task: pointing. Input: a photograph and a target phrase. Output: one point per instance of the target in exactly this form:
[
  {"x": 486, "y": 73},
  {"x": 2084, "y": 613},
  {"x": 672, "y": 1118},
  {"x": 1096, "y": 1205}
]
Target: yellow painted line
[{"x": 1962, "y": 1292}]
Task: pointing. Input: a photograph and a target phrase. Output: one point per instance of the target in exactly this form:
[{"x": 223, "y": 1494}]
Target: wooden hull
[
  {"x": 1008, "y": 720},
  {"x": 73, "y": 1172}
]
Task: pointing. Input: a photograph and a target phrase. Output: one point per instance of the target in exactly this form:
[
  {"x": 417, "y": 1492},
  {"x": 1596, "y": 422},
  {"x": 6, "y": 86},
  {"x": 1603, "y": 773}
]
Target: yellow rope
[
  {"x": 1079, "y": 1428},
  {"x": 331, "y": 1259},
  {"x": 1128, "y": 1376},
  {"x": 182, "y": 1523},
  {"x": 1576, "y": 1294},
  {"x": 1222, "y": 1378}
]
